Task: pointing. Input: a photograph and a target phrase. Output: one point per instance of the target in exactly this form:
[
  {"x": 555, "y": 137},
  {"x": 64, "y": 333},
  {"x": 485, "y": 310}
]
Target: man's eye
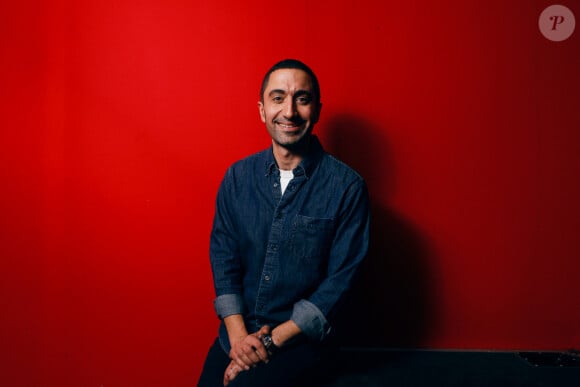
[
  {"x": 303, "y": 100},
  {"x": 277, "y": 99}
]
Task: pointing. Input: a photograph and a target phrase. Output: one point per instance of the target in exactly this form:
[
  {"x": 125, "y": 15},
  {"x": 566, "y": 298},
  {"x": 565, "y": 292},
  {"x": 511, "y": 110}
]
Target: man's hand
[
  {"x": 249, "y": 350},
  {"x": 246, "y": 353}
]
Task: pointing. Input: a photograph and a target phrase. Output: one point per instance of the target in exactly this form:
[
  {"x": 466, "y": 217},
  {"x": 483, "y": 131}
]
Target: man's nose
[{"x": 290, "y": 108}]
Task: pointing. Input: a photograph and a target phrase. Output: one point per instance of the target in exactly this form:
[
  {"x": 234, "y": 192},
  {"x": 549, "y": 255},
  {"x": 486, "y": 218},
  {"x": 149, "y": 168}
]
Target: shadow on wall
[{"x": 392, "y": 302}]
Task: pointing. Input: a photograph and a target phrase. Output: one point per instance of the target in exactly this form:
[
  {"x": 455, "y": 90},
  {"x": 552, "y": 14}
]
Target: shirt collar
[{"x": 306, "y": 166}]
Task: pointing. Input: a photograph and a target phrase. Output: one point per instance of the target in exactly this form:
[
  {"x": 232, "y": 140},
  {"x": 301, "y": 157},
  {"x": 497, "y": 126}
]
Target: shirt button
[
  {"x": 267, "y": 278},
  {"x": 275, "y": 185}
]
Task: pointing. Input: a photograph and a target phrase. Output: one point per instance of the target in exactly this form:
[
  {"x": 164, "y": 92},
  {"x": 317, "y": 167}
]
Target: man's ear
[{"x": 261, "y": 110}]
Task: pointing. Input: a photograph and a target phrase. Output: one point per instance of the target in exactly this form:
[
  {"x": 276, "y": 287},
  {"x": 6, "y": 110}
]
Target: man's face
[{"x": 289, "y": 109}]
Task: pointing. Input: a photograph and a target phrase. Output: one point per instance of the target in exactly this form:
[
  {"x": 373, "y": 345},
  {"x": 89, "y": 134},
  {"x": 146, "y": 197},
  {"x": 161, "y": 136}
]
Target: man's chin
[{"x": 295, "y": 144}]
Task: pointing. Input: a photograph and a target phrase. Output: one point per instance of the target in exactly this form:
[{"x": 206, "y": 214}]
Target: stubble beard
[{"x": 298, "y": 146}]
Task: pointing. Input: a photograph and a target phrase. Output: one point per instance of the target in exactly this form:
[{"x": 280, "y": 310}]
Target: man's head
[
  {"x": 291, "y": 64},
  {"x": 289, "y": 102}
]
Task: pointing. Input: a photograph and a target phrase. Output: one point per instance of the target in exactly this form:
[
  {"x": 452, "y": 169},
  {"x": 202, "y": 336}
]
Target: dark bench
[{"x": 394, "y": 368}]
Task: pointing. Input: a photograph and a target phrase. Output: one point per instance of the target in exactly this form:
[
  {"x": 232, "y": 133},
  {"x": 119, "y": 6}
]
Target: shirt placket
[{"x": 269, "y": 270}]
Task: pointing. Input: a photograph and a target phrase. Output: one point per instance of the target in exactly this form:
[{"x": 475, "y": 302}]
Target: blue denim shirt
[{"x": 278, "y": 257}]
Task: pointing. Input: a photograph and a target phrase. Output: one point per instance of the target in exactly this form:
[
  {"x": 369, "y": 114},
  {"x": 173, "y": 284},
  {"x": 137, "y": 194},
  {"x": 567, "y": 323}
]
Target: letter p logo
[
  {"x": 557, "y": 23},
  {"x": 557, "y": 20}
]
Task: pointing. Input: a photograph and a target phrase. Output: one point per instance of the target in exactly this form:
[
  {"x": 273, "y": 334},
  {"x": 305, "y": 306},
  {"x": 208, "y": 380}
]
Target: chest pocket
[{"x": 311, "y": 237}]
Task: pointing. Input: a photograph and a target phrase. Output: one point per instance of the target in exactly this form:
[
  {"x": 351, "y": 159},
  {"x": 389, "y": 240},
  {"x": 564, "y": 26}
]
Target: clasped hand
[{"x": 246, "y": 353}]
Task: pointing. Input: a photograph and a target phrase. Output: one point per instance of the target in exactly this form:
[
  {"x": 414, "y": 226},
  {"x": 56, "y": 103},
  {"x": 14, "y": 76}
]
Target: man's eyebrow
[
  {"x": 276, "y": 91},
  {"x": 303, "y": 92},
  {"x": 298, "y": 92}
]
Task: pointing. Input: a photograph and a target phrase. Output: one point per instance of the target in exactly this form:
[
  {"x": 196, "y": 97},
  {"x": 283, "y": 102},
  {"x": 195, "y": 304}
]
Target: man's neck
[{"x": 288, "y": 158}]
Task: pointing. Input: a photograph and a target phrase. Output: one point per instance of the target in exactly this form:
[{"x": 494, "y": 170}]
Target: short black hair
[{"x": 292, "y": 64}]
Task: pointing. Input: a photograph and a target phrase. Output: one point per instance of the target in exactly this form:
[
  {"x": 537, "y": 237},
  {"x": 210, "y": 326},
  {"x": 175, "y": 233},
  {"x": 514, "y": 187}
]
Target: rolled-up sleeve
[
  {"x": 310, "y": 320},
  {"x": 228, "y": 304}
]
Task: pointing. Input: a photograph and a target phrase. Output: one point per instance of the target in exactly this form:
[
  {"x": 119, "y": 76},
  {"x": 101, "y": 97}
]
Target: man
[{"x": 291, "y": 227}]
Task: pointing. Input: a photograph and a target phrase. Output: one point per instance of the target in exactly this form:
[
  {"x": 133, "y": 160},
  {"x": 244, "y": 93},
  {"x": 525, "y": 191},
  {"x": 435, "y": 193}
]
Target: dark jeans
[{"x": 304, "y": 364}]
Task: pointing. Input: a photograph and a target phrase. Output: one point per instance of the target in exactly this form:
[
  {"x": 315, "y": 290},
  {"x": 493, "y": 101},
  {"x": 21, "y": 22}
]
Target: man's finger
[
  {"x": 264, "y": 330},
  {"x": 240, "y": 363},
  {"x": 254, "y": 350},
  {"x": 258, "y": 353},
  {"x": 231, "y": 372}
]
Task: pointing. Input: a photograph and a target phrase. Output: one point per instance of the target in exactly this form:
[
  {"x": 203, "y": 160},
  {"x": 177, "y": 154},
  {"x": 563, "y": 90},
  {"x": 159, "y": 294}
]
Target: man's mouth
[{"x": 289, "y": 125}]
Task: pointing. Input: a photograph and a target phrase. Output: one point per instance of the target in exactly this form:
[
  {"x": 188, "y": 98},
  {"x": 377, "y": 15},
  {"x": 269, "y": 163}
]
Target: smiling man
[{"x": 291, "y": 227}]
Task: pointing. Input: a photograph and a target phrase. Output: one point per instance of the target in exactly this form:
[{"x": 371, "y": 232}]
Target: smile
[{"x": 288, "y": 125}]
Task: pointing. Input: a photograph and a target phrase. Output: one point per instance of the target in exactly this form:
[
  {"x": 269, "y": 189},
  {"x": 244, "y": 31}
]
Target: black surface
[{"x": 453, "y": 368}]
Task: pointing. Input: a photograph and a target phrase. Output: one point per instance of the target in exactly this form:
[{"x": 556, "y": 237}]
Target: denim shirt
[{"x": 277, "y": 257}]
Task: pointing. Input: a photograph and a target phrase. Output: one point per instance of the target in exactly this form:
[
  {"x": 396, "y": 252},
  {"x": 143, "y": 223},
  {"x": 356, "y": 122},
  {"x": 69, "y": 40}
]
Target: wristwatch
[{"x": 271, "y": 348}]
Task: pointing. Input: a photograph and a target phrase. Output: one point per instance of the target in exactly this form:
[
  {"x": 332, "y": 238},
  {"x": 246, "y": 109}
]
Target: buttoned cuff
[
  {"x": 310, "y": 320},
  {"x": 228, "y": 304}
]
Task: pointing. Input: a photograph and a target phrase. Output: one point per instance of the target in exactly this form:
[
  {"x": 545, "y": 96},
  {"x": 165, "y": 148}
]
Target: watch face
[
  {"x": 267, "y": 341},
  {"x": 268, "y": 344}
]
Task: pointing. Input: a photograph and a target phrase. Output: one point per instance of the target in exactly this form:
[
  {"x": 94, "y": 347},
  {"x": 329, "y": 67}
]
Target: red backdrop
[{"x": 118, "y": 119}]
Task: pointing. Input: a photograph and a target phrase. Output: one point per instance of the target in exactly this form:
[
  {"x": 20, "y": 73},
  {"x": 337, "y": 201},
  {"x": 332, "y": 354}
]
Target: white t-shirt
[{"x": 285, "y": 177}]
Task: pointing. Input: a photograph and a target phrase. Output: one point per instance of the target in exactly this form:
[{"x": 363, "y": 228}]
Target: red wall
[{"x": 118, "y": 119}]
